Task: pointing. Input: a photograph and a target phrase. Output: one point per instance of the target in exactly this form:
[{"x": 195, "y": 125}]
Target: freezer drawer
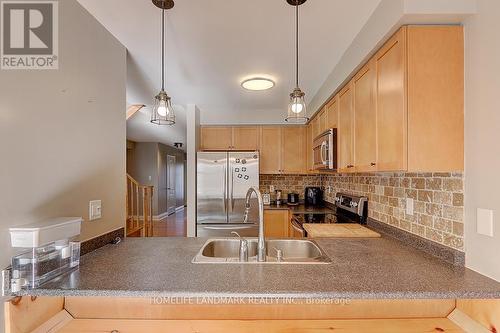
[{"x": 224, "y": 230}]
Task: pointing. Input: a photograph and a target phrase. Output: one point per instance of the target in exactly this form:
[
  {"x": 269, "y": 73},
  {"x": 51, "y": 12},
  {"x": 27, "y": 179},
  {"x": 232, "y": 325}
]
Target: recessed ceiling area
[{"x": 213, "y": 45}]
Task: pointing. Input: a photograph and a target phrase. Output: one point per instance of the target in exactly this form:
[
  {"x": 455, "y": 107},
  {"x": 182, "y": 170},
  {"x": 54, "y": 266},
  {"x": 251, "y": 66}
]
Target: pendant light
[
  {"x": 297, "y": 112},
  {"x": 163, "y": 113}
]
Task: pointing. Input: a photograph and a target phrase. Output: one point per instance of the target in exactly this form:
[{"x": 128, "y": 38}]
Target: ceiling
[{"x": 213, "y": 45}]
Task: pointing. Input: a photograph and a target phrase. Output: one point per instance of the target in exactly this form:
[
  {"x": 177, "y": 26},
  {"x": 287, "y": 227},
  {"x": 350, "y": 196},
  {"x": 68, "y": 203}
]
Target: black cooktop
[{"x": 337, "y": 217}]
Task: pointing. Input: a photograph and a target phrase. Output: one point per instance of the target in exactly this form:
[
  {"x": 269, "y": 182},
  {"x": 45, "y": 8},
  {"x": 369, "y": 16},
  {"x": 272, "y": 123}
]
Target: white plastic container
[{"x": 41, "y": 233}]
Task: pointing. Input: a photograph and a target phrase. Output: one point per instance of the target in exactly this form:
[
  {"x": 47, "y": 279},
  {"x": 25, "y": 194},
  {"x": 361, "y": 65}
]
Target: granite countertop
[
  {"x": 301, "y": 209},
  {"x": 360, "y": 268}
]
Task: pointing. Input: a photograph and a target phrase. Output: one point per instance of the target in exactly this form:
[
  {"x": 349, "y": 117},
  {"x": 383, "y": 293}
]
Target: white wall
[
  {"x": 62, "y": 132},
  {"x": 192, "y": 145},
  {"x": 482, "y": 134}
]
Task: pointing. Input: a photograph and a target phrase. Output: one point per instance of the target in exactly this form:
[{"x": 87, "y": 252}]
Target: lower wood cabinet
[
  {"x": 144, "y": 314},
  {"x": 276, "y": 223}
]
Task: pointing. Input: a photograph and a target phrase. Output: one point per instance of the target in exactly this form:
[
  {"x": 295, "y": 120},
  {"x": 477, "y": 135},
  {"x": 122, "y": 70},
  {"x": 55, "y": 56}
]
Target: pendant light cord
[
  {"x": 297, "y": 45},
  {"x": 163, "y": 49}
]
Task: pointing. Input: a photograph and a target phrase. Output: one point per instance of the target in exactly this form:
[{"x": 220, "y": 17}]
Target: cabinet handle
[
  {"x": 373, "y": 164},
  {"x": 350, "y": 166}
]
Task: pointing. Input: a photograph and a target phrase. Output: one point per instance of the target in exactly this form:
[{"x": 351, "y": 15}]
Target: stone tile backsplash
[
  {"x": 288, "y": 183},
  {"x": 438, "y": 199}
]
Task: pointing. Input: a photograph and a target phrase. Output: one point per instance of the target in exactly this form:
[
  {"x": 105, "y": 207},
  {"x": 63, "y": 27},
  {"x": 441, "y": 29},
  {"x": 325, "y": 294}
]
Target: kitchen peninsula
[{"x": 118, "y": 285}]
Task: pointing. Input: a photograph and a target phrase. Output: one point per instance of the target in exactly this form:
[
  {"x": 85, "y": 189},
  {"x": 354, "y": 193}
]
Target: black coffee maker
[{"x": 314, "y": 196}]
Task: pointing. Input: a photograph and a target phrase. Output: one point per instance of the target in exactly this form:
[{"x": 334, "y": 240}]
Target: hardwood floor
[{"x": 171, "y": 226}]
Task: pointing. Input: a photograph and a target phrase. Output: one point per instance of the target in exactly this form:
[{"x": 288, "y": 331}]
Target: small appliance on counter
[
  {"x": 279, "y": 199},
  {"x": 293, "y": 199},
  {"x": 266, "y": 199},
  {"x": 348, "y": 209},
  {"x": 47, "y": 250},
  {"x": 313, "y": 196}
]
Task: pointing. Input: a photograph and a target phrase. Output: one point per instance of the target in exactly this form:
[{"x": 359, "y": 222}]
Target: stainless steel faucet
[
  {"x": 243, "y": 247},
  {"x": 261, "y": 245}
]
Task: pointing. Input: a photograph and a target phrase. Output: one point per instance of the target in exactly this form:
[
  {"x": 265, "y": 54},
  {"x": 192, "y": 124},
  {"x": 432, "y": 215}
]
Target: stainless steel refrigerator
[{"x": 223, "y": 179}]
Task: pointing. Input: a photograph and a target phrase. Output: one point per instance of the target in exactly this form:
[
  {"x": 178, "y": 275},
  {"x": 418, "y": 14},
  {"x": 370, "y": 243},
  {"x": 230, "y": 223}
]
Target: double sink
[{"x": 278, "y": 251}]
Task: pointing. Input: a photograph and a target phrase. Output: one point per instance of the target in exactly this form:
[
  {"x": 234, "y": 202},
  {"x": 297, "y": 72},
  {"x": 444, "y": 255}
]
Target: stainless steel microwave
[{"x": 325, "y": 150}]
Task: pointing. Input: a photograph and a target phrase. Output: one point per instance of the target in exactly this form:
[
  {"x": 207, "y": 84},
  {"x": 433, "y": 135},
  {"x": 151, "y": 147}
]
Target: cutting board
[{"x": 338, "y": 230}]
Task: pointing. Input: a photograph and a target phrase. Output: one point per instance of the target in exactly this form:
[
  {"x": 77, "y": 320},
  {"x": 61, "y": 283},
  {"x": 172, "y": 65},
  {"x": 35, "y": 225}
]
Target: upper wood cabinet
[
  {"x": 332, "y": 112},
  {"x": 294, "y": 156},
  {"x": 246, "y": 138},
  {"x": 323, "y": 120},
  {"x": 315, "y": 127},
  {"x": 270, "y": 149},
  {"x": 403, "y": 111},
  {"x": 435, "y": 98},
  {"x": 230, "y": 138},
  {"x": 365, "y": 117},
  {"x": 309, "y": 149},
  {"x": 390, "y": 64},
  {"x": 216, "y": 138},
  {"x": 345, "y": 130},
  {"x": 283, "y": 150}
]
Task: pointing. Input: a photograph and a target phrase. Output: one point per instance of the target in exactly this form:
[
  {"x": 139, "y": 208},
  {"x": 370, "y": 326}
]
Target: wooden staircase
[{"x": 139, "y": 210}]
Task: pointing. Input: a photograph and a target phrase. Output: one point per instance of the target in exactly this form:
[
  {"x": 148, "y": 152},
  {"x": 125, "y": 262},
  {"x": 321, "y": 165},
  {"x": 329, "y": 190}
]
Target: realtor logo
[{"x": 29, "y": 35}]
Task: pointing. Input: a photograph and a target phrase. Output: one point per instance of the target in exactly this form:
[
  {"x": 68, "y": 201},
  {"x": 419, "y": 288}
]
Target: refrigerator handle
[
  {"x": 225, "y": 189},
  {"x": 232, "y": 187}
]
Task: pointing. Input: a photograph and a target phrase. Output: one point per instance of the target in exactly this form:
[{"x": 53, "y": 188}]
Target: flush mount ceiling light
[
  {"x": 163, "y": 113},
  {"x": 257, "y": 84},
  {"x": 297, "y": 112}
]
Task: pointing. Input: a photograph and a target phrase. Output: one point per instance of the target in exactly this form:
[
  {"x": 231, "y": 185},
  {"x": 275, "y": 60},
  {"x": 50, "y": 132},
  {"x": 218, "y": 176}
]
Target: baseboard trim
[{"x": 160, "y": 217}]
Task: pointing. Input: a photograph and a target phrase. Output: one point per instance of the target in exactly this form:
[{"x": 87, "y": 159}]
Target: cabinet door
[
  {"x": 270, "y": 148},
  {"x": 276, "y": 223},
  {"x": 246, "y": 138},
  {"x": 345, "y": 130},
  {"x": 365, "y": 133},
  {"x": 390, "y": 64},
  {"x": 322, "y": 121},
  {"x": 216, "y": 138},
  {"x": 293, "y": 150},
  {"x": 315, "y": 127},
  {"x": 309, "y": 152},
  {"x": 332, "y": 112}
]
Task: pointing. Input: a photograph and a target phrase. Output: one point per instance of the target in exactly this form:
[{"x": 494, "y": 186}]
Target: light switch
[
  {"x": 95, "y": 211},
  {"x": 485, "y": 222},
  {"x": 409, "y": 206}
]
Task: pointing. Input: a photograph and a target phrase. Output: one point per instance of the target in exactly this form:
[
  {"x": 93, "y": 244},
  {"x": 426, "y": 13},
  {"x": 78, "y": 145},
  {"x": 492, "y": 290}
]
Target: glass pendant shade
[
  {"x": 163, "y": 113},
  {"x": 297, "y": 111}
]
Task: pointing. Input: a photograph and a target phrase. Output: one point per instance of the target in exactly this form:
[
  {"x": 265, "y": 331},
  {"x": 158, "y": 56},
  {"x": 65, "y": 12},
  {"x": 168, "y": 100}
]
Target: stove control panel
[{"x": 354, "y": 204}]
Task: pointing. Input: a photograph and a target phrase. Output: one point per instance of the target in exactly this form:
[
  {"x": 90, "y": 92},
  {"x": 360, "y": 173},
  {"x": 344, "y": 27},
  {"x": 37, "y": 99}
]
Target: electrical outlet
[
  {"x": 409, "y": 206},
  {"x": 95, "y": 211},
  {"x": 484, "y": 222},
  {"x": 271, "y": 188}
]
